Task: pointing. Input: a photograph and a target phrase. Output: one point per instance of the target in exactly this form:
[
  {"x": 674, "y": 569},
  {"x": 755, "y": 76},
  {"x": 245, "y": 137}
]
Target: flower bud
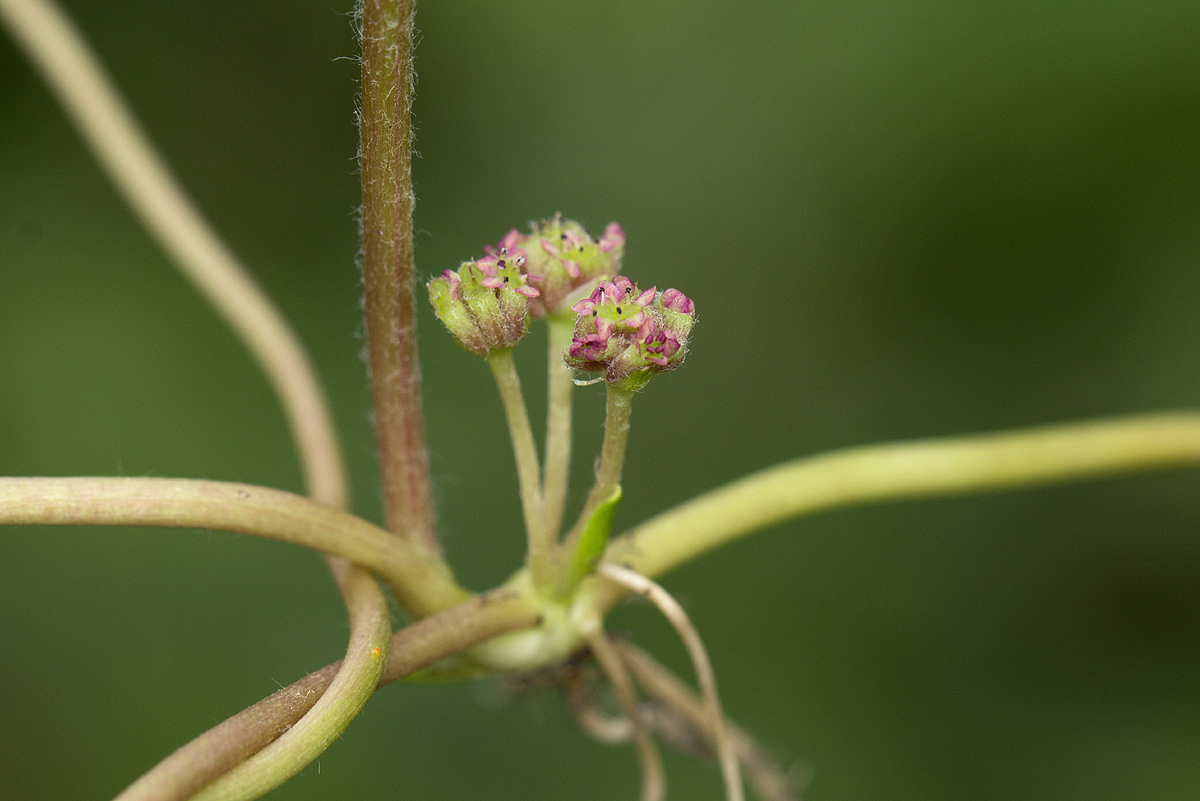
[
  {"x": 628, "y": 335},
  {"x": 485, "y": 304},
  {"x": 564, "y": 261}
]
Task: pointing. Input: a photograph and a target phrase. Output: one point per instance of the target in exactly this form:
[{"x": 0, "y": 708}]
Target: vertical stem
[
  {"x": 386, "y": 165},
  {"x": 525, "y": 451},
  {"x": 617, "y": 410},
  {"x": 556, "y": 472}
]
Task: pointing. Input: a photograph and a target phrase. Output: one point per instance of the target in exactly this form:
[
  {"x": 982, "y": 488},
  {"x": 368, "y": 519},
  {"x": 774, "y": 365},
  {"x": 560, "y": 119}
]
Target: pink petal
[
  {"x": 572, "y": 268},
  {"x": 614, "y": 236},
  {"x": 675, "y": 300},
  {"x": 511, "y": 239}
]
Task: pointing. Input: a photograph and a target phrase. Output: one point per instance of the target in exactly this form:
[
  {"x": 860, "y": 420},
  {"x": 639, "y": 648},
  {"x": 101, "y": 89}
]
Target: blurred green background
[{"x": 898, "y": 219}]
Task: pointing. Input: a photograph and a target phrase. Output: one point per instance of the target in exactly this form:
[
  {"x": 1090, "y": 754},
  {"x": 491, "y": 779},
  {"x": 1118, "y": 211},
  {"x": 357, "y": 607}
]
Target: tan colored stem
[
  {"x": 654, "y": 782},
  {"x": 611, "y": 730},
  {"x": 423, "y": 585},
  {"x": 918, "y": 469},
  {"x": 308, "y": 738},
  {"x": 388, "y": 266},
  {"x": 126, "y": 153},
  {"x": 679, "y": 620},
  {"x": 770, "y": 782},
  {"x": 231, "y": 742},
  {"x": 134, "y": 166}
]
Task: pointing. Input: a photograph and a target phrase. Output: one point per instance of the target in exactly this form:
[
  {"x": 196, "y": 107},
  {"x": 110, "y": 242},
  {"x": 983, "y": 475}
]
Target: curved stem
[
  {"x": 770, "y": 781},
  {"x": 525, "y": 452},
  {"x": 354, "y": 683},
  {"x": 923, "y": 468},
  {"x": 385, "y": 131},
  {"x": 556, "y": 472},
  {"x": 418, "y": 646},
  {"x": 134, "y": 166},
  {"x": 679, "y": 620},
  {"x": 422, "y": 583},
  {"x": 654, "y": 783},
  {"x": 139, "y": 173}
]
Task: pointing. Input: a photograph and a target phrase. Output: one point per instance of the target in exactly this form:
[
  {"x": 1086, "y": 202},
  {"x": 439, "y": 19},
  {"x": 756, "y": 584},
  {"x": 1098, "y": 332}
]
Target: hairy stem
[
  {"x": 919, "y": 469},
  {"x": 559, "y": 393},
  {"x": 525, "y": 452},
  {"x": 418, "y": 646},
  {"x": 388, "y": 269},
  {"x": 423, "y": 585}
]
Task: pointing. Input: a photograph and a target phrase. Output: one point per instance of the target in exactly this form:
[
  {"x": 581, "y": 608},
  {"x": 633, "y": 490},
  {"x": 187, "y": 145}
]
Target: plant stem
[
  {"x": 418, "y": 646},
  {"x": 920, "y": 469},
  {"x": 617, "y": 409},
  {"x": 422, "y": 583},
  {"x": 140, "y": 174},
  {"x": 559, "y": 393},
  {"x": 346, "y": 695},
  {"x": 388, "y": 269},
  {"x": 108, "y": 127},
  {"x": 654, "y": 783},
  {"x": 771, "y": 782},
  {"x": 701, "y": 664},
  {"x": 525, "y": 452}
]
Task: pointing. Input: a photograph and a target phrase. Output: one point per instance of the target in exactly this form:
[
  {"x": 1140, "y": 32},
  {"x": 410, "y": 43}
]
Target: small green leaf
[{"x": 592, "y": 542}]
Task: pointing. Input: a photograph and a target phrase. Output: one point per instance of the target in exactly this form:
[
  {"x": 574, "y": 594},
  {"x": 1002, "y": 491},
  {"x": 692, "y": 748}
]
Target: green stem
[
  {"x": 388, "y": 269},
  {"x": 525, "y": 452},
  {"x": 418, "y": 646},
  {"x": 422, "y": 583},
  {"x": 556, "y": 472},
  {"x": 143, "y": 178},
  {"x": 617, "y": 410},
  {"x": 132, "y": 163},
  {"x": 345, "y": 697},
  {"x": 929, "y": 468}
]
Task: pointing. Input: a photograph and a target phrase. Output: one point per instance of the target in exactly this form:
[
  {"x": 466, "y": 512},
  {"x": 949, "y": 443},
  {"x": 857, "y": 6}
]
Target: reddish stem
[{"x": 386, "y": 164}]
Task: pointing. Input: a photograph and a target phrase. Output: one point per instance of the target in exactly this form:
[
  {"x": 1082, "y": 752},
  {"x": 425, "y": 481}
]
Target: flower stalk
[
  {"x": 559, "y": 393},
  {"x": 618, "y": 408},
  {"x": 540, "y": 541}
]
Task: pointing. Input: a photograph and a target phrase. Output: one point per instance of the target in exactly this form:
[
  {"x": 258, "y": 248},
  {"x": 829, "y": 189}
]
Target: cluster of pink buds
[
  {"x": 485, "y": 304},
  {"x": 563, "y": 261},
  {"x": 628, "y": 335}
]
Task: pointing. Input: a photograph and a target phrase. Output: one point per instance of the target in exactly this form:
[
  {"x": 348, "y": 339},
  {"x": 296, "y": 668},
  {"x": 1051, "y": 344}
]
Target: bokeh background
[{"x": 898, "y": 219}]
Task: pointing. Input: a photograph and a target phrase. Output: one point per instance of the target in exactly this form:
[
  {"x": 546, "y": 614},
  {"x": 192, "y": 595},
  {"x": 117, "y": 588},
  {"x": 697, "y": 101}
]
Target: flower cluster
[
  {"x": 628, "y": 335},
  {"x": 563, "y": 261},
  {"x": 485, "y": 304}
]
